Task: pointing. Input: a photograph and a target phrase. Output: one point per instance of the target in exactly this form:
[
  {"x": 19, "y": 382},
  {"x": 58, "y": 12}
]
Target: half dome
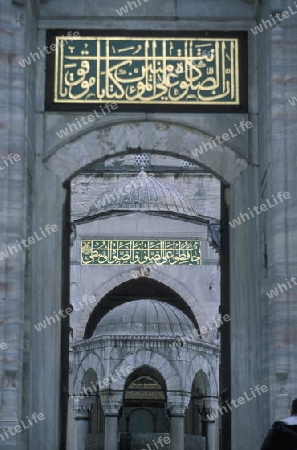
[
  {"x": 144, "y": 318},
  {"x": 143, "y": 193}
]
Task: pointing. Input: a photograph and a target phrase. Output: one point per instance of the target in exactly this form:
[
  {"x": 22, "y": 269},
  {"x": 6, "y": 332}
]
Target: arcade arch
[{"x": 62, "y": 164}]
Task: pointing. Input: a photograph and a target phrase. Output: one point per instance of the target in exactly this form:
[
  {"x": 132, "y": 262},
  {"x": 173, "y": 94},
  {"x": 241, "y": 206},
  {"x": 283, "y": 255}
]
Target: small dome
[
  {"x": 145, "y": 318},
  {"x": 143, "y": 193}
]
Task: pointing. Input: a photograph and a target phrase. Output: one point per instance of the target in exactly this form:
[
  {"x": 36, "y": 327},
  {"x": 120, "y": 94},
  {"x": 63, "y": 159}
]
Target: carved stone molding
[
  {"x": 83, "y": 405},
  {"x": 111, "y": 402},
  {"x": 178, "y": 404}
]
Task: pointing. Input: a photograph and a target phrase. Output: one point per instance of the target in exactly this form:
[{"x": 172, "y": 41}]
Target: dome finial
[{"x": 142, "y": 173}]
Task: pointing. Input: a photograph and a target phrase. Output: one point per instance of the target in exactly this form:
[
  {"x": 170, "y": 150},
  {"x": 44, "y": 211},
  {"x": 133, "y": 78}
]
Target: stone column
[
  {"x": 111, "y": 432},
  {"x": 82, "y": 408},
  {"x": 210, "y": 433},
  {"x": 111, "y": 403},
  {"x": 209, "y": 424},
  {"x": 17, "y": 114},
  {"x": 277, "y": 232},
  {"x": 178, "y": 403},
  {"x": 177, "y": 432},
  {"x": 81, "y": 429}
]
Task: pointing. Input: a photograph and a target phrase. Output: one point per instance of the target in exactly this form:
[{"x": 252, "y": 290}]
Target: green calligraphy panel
[
  {"x": 143, "y": 252},
  {"x": 147, "y": 70}
]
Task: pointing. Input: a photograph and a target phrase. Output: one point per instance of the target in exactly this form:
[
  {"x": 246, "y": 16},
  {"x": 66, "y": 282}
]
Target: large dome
[
  {"x": 143, "y": 193},
  {"x": 145, "y": 318}
]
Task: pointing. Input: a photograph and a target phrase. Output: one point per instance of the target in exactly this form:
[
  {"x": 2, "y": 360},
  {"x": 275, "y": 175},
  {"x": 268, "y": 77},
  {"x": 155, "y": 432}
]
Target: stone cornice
[{"x": 102, "y": 341}]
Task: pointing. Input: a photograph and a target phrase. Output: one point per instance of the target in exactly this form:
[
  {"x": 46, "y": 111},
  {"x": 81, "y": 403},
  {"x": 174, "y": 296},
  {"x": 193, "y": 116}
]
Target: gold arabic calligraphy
[
  {"x": 147, "y": 70},
  {"x": 159, "y": 252}
]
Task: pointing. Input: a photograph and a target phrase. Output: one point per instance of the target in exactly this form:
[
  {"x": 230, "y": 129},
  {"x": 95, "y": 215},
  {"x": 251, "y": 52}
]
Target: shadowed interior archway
[{"x": 144, "y": 402}]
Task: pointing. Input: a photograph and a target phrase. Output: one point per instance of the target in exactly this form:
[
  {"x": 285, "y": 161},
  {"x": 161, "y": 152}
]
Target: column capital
[
  {"x": 84, "y": 405},
  {"x": 111, "y": 402},
  {"x": 207, "y": 407},
  {"x": 177, "y": 410},
  {"x": 178, "y": 403},
  {"x": 206, "y": 415}
]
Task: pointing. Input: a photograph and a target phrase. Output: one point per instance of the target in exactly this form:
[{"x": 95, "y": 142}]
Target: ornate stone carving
[{"x": 83, "y": 405}]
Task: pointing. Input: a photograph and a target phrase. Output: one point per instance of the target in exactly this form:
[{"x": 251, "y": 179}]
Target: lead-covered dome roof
[
  {"x": 143, "y": 193},
  {"x": 145, "y": 318}
]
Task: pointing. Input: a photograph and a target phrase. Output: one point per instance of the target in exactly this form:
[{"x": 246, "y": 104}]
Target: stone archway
[
  {"x": 90, "y": 361},
  {"x": 199, "y": 416},
  {"x": 150, "y": 272},
  {"x": 160, "y": 137},
  {"x": 200, "y": 362},
  {"x": 144, "y": 402},
  {"x": 53, "y": 172}
]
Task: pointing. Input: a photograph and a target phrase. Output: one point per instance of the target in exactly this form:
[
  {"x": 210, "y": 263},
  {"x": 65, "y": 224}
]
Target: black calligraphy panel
[
  {"x": 143, "y": 252},
  {"x": 147, "y": 70}
]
